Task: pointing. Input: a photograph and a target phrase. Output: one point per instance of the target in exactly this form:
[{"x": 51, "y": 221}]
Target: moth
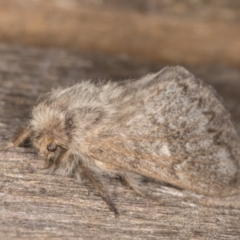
[{"x": 168, "y": 126}]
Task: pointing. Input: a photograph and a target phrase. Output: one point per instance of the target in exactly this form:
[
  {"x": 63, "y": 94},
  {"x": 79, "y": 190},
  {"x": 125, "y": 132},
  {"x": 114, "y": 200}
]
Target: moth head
[
  {"x": 51, "y": 133},
  {"x": 48, "y": 147}
]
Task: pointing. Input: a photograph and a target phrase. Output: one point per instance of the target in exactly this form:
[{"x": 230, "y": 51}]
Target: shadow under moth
[{"x": 168, "y": 126}]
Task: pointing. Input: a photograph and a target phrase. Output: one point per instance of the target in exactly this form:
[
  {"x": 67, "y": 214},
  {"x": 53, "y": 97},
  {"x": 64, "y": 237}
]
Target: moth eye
[{"x": 51, "y": 147}]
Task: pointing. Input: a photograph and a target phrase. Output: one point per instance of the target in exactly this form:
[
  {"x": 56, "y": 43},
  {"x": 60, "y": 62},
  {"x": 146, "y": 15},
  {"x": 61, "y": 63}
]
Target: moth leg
[
  {"x": 134, "y": 181},
  {"x": 91, "y": 176},
  {"x": 21, "y": 135},
  {"x": 55, "y": 166}
]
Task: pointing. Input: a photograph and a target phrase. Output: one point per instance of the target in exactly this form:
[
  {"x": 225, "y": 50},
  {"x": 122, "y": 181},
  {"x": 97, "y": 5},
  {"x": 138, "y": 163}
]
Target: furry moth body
[{"x": 167, "y": 126}]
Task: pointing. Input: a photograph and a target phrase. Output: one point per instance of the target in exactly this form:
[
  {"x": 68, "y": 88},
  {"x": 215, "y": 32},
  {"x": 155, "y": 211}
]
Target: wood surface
[
  {"x": 180, "y": 32},
  {"x": 37, "y": 206}
]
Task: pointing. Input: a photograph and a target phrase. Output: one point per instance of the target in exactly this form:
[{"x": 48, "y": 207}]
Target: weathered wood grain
[{"x": 36, "y": 206}]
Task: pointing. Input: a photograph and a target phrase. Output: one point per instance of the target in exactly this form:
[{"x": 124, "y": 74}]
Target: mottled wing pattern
[{"x": 179, "y": 132}]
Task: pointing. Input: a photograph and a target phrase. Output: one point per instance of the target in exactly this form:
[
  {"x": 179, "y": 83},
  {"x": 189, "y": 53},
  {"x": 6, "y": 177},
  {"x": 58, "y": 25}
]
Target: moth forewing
[
  {"x": 167, "y": 126},
  {"x": 183, "y": 135}
]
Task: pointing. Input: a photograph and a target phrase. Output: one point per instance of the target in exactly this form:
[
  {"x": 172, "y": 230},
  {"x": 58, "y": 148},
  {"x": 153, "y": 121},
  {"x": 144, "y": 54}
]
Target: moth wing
[{"x": 175, "y": 129}]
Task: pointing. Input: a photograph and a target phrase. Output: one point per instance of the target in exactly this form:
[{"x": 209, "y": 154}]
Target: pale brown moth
[{"x": 167, "y": 126}]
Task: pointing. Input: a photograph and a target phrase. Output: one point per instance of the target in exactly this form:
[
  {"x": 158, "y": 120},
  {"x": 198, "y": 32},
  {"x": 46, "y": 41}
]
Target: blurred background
[{"x": 187, "y": 32}]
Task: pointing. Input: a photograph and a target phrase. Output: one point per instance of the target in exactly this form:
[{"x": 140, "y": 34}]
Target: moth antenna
[
  {"x": 21, "y": 135},
  {"x": 97, "y": 184}
]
